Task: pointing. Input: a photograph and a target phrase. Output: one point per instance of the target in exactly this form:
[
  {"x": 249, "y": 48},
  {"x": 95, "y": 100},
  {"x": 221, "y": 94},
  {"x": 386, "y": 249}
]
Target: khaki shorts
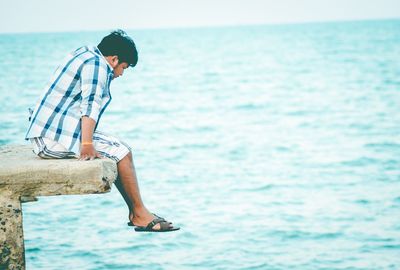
[{"x": 106, "y": 145}]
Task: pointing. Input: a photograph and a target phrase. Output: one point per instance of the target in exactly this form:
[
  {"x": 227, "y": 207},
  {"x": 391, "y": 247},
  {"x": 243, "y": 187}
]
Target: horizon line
[{"x": 210, "y": 26}]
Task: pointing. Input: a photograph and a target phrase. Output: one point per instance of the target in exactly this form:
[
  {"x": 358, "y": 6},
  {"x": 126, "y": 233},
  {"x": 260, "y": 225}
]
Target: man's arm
[
  {"x": 87, "y": 149},
  {"x": 93, "y": 81}
]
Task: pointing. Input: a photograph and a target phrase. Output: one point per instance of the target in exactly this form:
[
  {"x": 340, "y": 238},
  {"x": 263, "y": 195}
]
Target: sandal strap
[
  {"x": 154, "y": 222},
  {"x": 158, "y": 216}
]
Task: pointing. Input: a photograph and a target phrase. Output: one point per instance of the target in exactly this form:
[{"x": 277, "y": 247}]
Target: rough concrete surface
[{"x": 23, "y": 176}]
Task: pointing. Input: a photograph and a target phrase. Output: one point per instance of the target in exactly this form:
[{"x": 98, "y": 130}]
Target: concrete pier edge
[{"x": 23, "y": 176}]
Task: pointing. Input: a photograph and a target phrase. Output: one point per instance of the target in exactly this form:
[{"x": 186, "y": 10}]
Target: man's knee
[{"x": 129, "y": 156}]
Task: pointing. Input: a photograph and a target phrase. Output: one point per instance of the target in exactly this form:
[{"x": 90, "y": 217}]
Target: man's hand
[
  {"x": 87, "y": 149},
  {"x": 88, "y": 152}
]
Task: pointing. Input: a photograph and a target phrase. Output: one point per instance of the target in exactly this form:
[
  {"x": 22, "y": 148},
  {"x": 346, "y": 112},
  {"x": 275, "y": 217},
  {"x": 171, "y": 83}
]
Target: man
[{"x": 64, "y": 121}]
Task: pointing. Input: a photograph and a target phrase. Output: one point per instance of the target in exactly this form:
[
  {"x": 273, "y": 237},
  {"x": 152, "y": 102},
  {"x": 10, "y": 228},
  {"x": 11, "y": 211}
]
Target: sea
[{"x": 271, "y": 146}]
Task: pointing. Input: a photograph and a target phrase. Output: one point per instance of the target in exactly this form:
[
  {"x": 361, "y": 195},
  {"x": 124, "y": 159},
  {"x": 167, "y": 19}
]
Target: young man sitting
[{"x": 64, "y": 121}]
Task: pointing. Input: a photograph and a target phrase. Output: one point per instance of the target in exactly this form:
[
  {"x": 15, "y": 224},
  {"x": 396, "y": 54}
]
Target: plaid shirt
[{"x": 80, "y": 86}]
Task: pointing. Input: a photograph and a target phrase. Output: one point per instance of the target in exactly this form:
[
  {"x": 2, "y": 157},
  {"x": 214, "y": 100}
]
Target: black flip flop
[
  {"x": 131, "y": 224},
  {"x": 164, "y": 226}
]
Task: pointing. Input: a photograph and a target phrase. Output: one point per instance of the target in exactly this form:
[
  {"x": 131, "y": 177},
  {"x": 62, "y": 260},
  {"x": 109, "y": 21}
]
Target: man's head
[{"x": 119, "y": 50}]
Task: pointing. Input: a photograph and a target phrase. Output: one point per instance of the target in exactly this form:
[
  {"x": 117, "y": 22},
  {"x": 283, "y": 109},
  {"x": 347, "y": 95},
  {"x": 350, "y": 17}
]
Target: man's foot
[
  {"x": 142, "y": 218},
  {"x": 165, "y": 226}
]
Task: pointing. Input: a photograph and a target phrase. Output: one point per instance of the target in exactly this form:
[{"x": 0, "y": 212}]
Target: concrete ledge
[
  {"x": 29, "y": 175},
  {"x": 23, "y": 176}
]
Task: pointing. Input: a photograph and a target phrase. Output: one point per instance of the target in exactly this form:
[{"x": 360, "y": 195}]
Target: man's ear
[{"x": 114, "y": 61}]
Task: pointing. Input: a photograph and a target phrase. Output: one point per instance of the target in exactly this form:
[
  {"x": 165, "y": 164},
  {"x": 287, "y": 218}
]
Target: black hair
[{"x": 120, "y": 44}]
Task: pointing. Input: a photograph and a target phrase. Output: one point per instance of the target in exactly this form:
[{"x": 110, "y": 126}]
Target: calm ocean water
[{"x": 273, "y": 147}]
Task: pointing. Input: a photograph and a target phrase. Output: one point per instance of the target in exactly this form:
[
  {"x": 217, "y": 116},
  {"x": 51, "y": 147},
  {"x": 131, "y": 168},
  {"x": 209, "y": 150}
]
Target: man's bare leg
[
  {"x": 128, "y": 187},
  {"x": 118, "y": 184}
]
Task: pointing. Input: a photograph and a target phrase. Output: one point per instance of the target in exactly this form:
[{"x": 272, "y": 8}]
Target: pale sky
[{"x": 80, "y": 15}]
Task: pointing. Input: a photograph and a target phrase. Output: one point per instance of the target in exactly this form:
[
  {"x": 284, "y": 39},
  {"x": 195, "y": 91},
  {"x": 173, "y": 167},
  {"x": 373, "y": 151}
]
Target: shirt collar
[{"x": 99, "y": 53}]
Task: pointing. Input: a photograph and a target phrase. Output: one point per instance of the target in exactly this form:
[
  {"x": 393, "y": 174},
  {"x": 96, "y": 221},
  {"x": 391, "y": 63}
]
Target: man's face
[{"x": 119, "y": 69}]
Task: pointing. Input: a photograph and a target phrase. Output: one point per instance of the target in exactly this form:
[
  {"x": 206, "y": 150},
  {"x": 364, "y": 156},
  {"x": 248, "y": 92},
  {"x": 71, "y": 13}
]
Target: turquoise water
[{"x": 273, "y": 147}]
